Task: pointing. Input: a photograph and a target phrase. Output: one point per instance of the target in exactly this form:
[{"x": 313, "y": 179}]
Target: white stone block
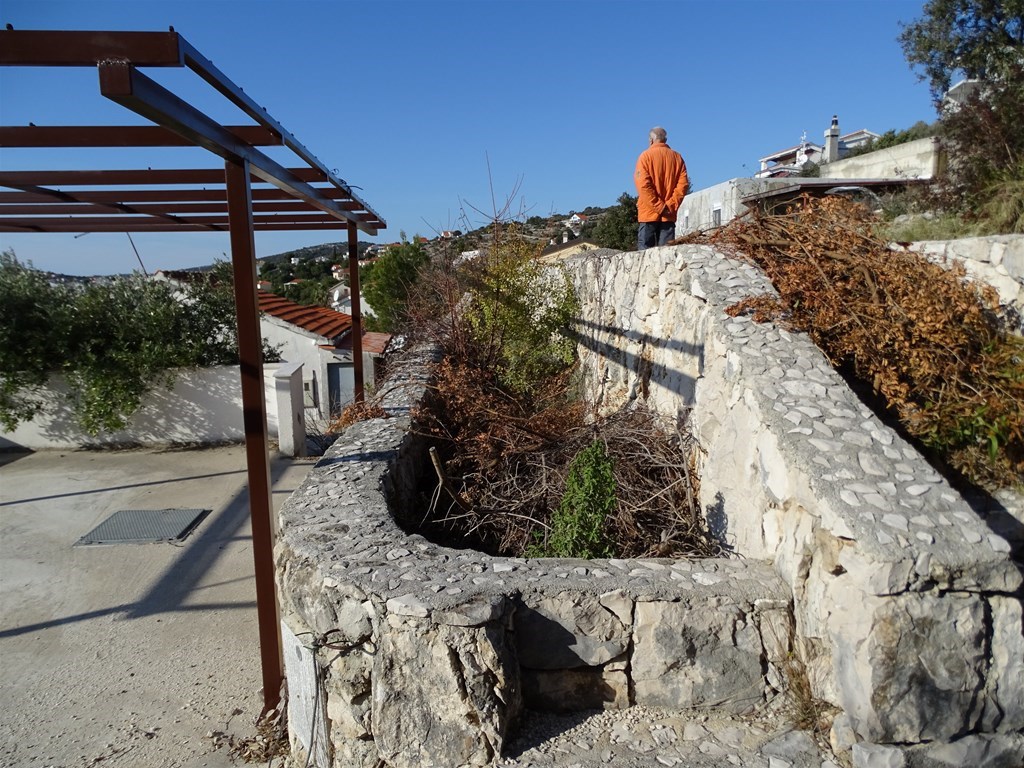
[{"x": 878, "y": 756}]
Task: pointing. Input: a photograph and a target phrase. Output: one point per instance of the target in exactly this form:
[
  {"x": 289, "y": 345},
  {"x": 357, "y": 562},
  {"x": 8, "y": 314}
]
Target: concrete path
[{"x": 128, "y": 654}]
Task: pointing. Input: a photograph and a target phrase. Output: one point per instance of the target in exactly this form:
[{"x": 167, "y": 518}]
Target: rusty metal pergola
[{"x": 251, "y": 193}]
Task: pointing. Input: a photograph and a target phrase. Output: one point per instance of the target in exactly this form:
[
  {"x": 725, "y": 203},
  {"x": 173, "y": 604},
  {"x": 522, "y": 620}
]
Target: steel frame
[{"x": 309, "y": 196}]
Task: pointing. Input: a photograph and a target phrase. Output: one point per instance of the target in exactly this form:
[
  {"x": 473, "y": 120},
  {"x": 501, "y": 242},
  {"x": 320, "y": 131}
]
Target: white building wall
[
  {"x": 203, "y": 406},
  {"x": 698, "y": 208},
  {"x": 920, "y": 159},
  {"x": 299, "y": 346}
]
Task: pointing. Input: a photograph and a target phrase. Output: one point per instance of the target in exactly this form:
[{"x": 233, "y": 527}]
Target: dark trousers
[{"x": 652, "y": 233}]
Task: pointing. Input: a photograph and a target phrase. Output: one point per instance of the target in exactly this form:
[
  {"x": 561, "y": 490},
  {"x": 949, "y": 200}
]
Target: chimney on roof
[{"x": 831, "y": 153}]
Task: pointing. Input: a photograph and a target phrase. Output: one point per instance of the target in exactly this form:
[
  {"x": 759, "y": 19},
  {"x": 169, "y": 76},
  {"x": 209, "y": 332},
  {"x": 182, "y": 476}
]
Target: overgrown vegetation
[
  {"x": 526, "y": 467},
  {"x": 113, "y": 340},
  {"x": 918, "y": 336}
]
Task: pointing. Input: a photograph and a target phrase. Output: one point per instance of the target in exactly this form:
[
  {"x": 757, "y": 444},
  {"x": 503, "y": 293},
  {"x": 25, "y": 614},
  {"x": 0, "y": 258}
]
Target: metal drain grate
[{"x": 143, "y": 526}]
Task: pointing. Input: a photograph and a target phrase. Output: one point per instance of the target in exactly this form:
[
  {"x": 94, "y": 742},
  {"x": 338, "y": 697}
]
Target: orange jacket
[{"x": 661, "y": 183}]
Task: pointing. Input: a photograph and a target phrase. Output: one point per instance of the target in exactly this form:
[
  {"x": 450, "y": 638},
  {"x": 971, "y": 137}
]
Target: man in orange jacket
[{"x": 661, "y": 183}]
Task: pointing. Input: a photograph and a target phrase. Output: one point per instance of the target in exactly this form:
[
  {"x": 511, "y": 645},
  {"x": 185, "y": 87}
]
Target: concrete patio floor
[{"x": 127, "y": 654}]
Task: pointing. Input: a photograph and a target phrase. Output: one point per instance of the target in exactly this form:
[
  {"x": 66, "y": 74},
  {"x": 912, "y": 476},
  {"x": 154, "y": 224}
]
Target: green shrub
[
  {"x": 617, "y": 227},
  {"x": 1004, "y": 209},
  {"x": 114, "y": 340},
  {"x": 944, "y": 226},
  {"x": 578, "y": 526},
  {"x": 516, "y": 316},
  {"x": 387, "y": 284}
]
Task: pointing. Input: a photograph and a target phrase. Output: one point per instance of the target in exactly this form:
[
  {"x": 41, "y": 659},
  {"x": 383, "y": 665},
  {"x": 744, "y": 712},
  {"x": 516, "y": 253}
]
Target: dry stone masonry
[{"x": 850, "y": 553}]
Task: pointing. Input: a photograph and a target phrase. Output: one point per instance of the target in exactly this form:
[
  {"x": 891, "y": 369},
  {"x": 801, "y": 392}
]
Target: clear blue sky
[{"x": 428, "y": 104}]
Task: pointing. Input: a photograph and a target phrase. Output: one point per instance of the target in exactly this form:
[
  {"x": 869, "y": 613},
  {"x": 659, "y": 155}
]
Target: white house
[
  {"x": 714, "y": 206},
  {"x": 960, "y": 93},
  {"x": 790, "y": 161},
  {"x": 339, "y": 296},
  {"x": 320, "y": 339}
]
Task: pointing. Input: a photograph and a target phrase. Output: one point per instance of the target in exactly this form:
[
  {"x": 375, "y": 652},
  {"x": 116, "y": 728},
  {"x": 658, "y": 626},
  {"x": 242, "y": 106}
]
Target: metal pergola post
[
  {"x": 254, "y": 416},
  {"x": 357, "y": 315}
]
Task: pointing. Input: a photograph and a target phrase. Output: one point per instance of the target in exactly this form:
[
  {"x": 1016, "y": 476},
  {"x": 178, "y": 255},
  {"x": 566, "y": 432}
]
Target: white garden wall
[{"x": 203, "y": 406}]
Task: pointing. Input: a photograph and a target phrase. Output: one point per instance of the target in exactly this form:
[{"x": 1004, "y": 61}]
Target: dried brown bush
[
  {"x": 357, "y": 411},
  {"x": 507, "y": 463},
  {"x": 504, "y": 414},
  {"x": 919, "y": 335}
]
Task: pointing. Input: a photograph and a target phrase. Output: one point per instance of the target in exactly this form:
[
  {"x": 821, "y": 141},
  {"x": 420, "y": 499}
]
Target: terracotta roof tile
[
  {"x": 319, "y": 320},
  {"x": 373, "y": 342}
]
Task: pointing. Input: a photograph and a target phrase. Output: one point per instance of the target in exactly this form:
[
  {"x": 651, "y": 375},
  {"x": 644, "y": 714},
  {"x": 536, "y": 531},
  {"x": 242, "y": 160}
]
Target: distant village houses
[{"x": 837, "y": 169}]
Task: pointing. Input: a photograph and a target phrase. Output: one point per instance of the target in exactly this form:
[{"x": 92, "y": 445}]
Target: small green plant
[{"x": 578, "y": 526}]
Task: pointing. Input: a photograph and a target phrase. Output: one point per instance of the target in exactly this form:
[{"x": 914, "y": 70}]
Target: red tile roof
[
  {"x": 373, "y": 342},
  {"x": 319, "y": 320}
]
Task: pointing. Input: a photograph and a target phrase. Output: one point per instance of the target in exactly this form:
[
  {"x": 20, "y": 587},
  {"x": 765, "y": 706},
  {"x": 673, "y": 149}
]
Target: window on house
[
  {"x": 716, "y": 216},
  {"x": 309, "y": 393},
  {"x": 686, "y": 219}
]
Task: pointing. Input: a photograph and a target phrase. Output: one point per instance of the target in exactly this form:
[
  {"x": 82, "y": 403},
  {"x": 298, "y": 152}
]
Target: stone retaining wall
[
  {"x": 905, "y": 602},
  {"x": 430, "y": 653}
]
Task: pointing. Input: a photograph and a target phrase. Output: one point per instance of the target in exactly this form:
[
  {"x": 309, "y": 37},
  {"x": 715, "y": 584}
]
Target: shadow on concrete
[
  {"x": 119, "y": 488},
  {"x": 170, "y": 593}
]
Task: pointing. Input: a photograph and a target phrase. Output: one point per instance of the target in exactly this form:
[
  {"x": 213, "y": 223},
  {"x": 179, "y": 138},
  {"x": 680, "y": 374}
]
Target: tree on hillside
[
  {"x": 617, "y": 228},
  {"x": 387, "y": 284},
  {"x": 313, "y": 292},
  {"x": 974, "y": 38},
  {"x": 983, "y": 40}
]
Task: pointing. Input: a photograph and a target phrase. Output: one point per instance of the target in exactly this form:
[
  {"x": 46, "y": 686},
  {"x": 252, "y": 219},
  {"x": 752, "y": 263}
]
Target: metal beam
[
  {"x": 160, "y": 226},
  {"x": 81, "y": 208},
  {"x": 126, "y": 86},
  {"x": 83, "y": 222},
  {"x": 138, "y": 176},
  {"x": 206, "y": 70},
  {"x": 41, "y": 136},
  {"x": 133, "y": 196},
  {"x": 40, "y": 48},
  {"x": 254, "y": 415}
]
